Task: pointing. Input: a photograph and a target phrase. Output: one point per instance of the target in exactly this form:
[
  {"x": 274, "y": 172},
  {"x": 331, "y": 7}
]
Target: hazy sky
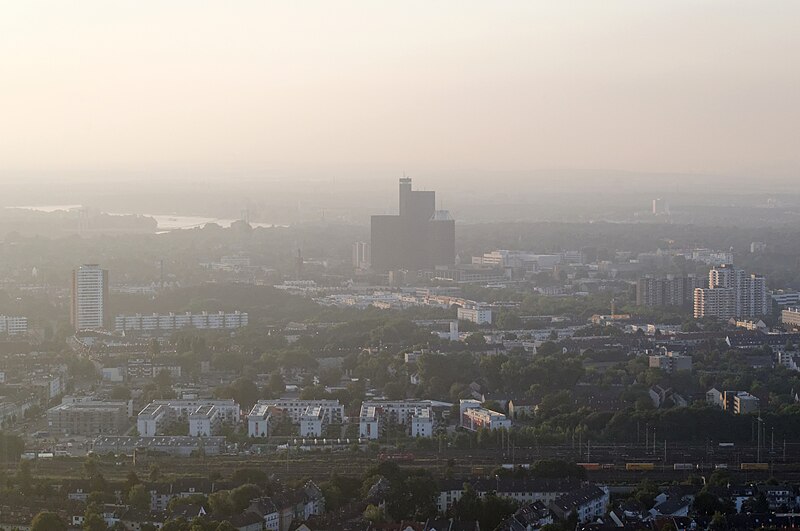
[{"x": 426, "y": 86}]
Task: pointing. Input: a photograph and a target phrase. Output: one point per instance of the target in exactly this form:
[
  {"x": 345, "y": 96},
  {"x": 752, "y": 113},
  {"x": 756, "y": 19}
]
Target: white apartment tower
[
  {"x": 89, "y": 297},
  {"x": 731, "y": 293}
]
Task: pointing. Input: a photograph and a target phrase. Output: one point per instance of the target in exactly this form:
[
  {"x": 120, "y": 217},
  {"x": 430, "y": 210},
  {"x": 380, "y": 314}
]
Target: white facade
[
  {"x": 416, "y": 415},
  {"x": 13, "y": 326},
  {"x": 312, "y": 422},
  {"x": 311, "y": 415},
  {"x": 170, "y": 321},
  {"x": 204, "y": 416},
  {"x": 731, "y": 293},
  {"x": 479, "y": 315},
  {"x": 474, "y": 417},
  {"x": 204, "y": 421},
  {"x": 716, "y": 302},
  {"x": 89, "y": 297},
  {"x": 422, "y": 423}
]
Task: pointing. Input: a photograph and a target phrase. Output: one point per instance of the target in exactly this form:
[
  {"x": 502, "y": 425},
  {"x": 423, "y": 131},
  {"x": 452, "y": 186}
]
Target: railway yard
[{"x": 621, "y": 464}]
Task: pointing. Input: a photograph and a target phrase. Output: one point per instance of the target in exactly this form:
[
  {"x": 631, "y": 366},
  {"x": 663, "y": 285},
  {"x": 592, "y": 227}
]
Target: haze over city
[
  {"x": 399, "y": 266},
  {"x": 104, "y": 90}
]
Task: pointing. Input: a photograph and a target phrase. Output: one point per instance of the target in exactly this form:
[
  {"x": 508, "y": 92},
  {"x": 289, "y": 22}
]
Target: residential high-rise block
[
  {"x": 731, "y": 293},
  {"x": 667, "y": 291},
  {"x": 89, "y": 310}
]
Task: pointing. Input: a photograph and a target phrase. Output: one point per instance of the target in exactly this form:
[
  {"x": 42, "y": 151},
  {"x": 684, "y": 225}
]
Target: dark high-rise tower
[{"x": 420, "y": 237}]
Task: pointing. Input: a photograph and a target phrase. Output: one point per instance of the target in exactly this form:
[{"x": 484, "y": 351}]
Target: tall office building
[
  {"x": 89, "y": 310},
  {"x": 419, "y": 237},
  {"x": 731, "y": 293}
]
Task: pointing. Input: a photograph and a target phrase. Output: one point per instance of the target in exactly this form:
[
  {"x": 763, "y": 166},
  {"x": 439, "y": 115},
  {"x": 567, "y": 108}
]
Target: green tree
[
  {"x": 475, "y": 341},
  {"x": 138, "y": 497},
  {"x": 120, "y": 392},
  {"x": 220, "y": 503},
  {"x": 11, "y": 447},
  {"x": 24, "y": 477},
  {"x": 163, "y": 380},
  {"x": 47, "y": 521},
  {"x": 374, "y": 514},
  {"x": 130, "y": 480},
  {"x": 178, "y": 524},
  {"x": 92, "y": 520},
  {"x": 240, "y": 496}
]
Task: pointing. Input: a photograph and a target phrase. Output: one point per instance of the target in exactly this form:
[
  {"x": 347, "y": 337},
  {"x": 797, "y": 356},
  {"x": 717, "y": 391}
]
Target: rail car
[
  {"x": 639, "y": 466},
  {"x": 404, "y": 457},
  {"x": 754, "y": 466}
]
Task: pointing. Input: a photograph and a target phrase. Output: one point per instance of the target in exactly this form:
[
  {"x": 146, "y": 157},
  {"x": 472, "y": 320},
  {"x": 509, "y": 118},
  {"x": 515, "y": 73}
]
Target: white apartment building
[
  {"x": 310, "y": 415},
  {"x": 204, "y": 416},
  {"x": 520, "y": 260},
  {"x": 13, "y": 326},
  {"x": 478, "y": 314},
  {"x": 205, "y": 421},
  {"x": 171, "y": 321},
  {"x": 416, "y": 415},
  {"x": 791, "y": 317},
  {"x": 89, "y": 297},
  {"x": 716, "y": 302},
  {"x": 313, "y": 422},
  {"x": 474, "y": 417},
  {"x": 731, "y": 293}
]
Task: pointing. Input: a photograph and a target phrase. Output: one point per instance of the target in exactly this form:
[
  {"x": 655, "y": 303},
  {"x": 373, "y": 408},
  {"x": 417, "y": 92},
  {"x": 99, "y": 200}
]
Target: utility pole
[{"x": 758, "y": 444}]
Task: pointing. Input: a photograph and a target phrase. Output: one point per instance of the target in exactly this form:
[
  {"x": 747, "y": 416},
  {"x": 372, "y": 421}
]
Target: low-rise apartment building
[
  {"x": 473, "y": 417},
  {"x": 205, "y": 417},
  {"x": 523, "y": 491},
  {"x": 311, "y": 416},
  {"x": 168, "y": 322},
  {"x": 376, "y": 415},
  {"x": 588, "y": 503},
  {"x": 91, "y": 417}
]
